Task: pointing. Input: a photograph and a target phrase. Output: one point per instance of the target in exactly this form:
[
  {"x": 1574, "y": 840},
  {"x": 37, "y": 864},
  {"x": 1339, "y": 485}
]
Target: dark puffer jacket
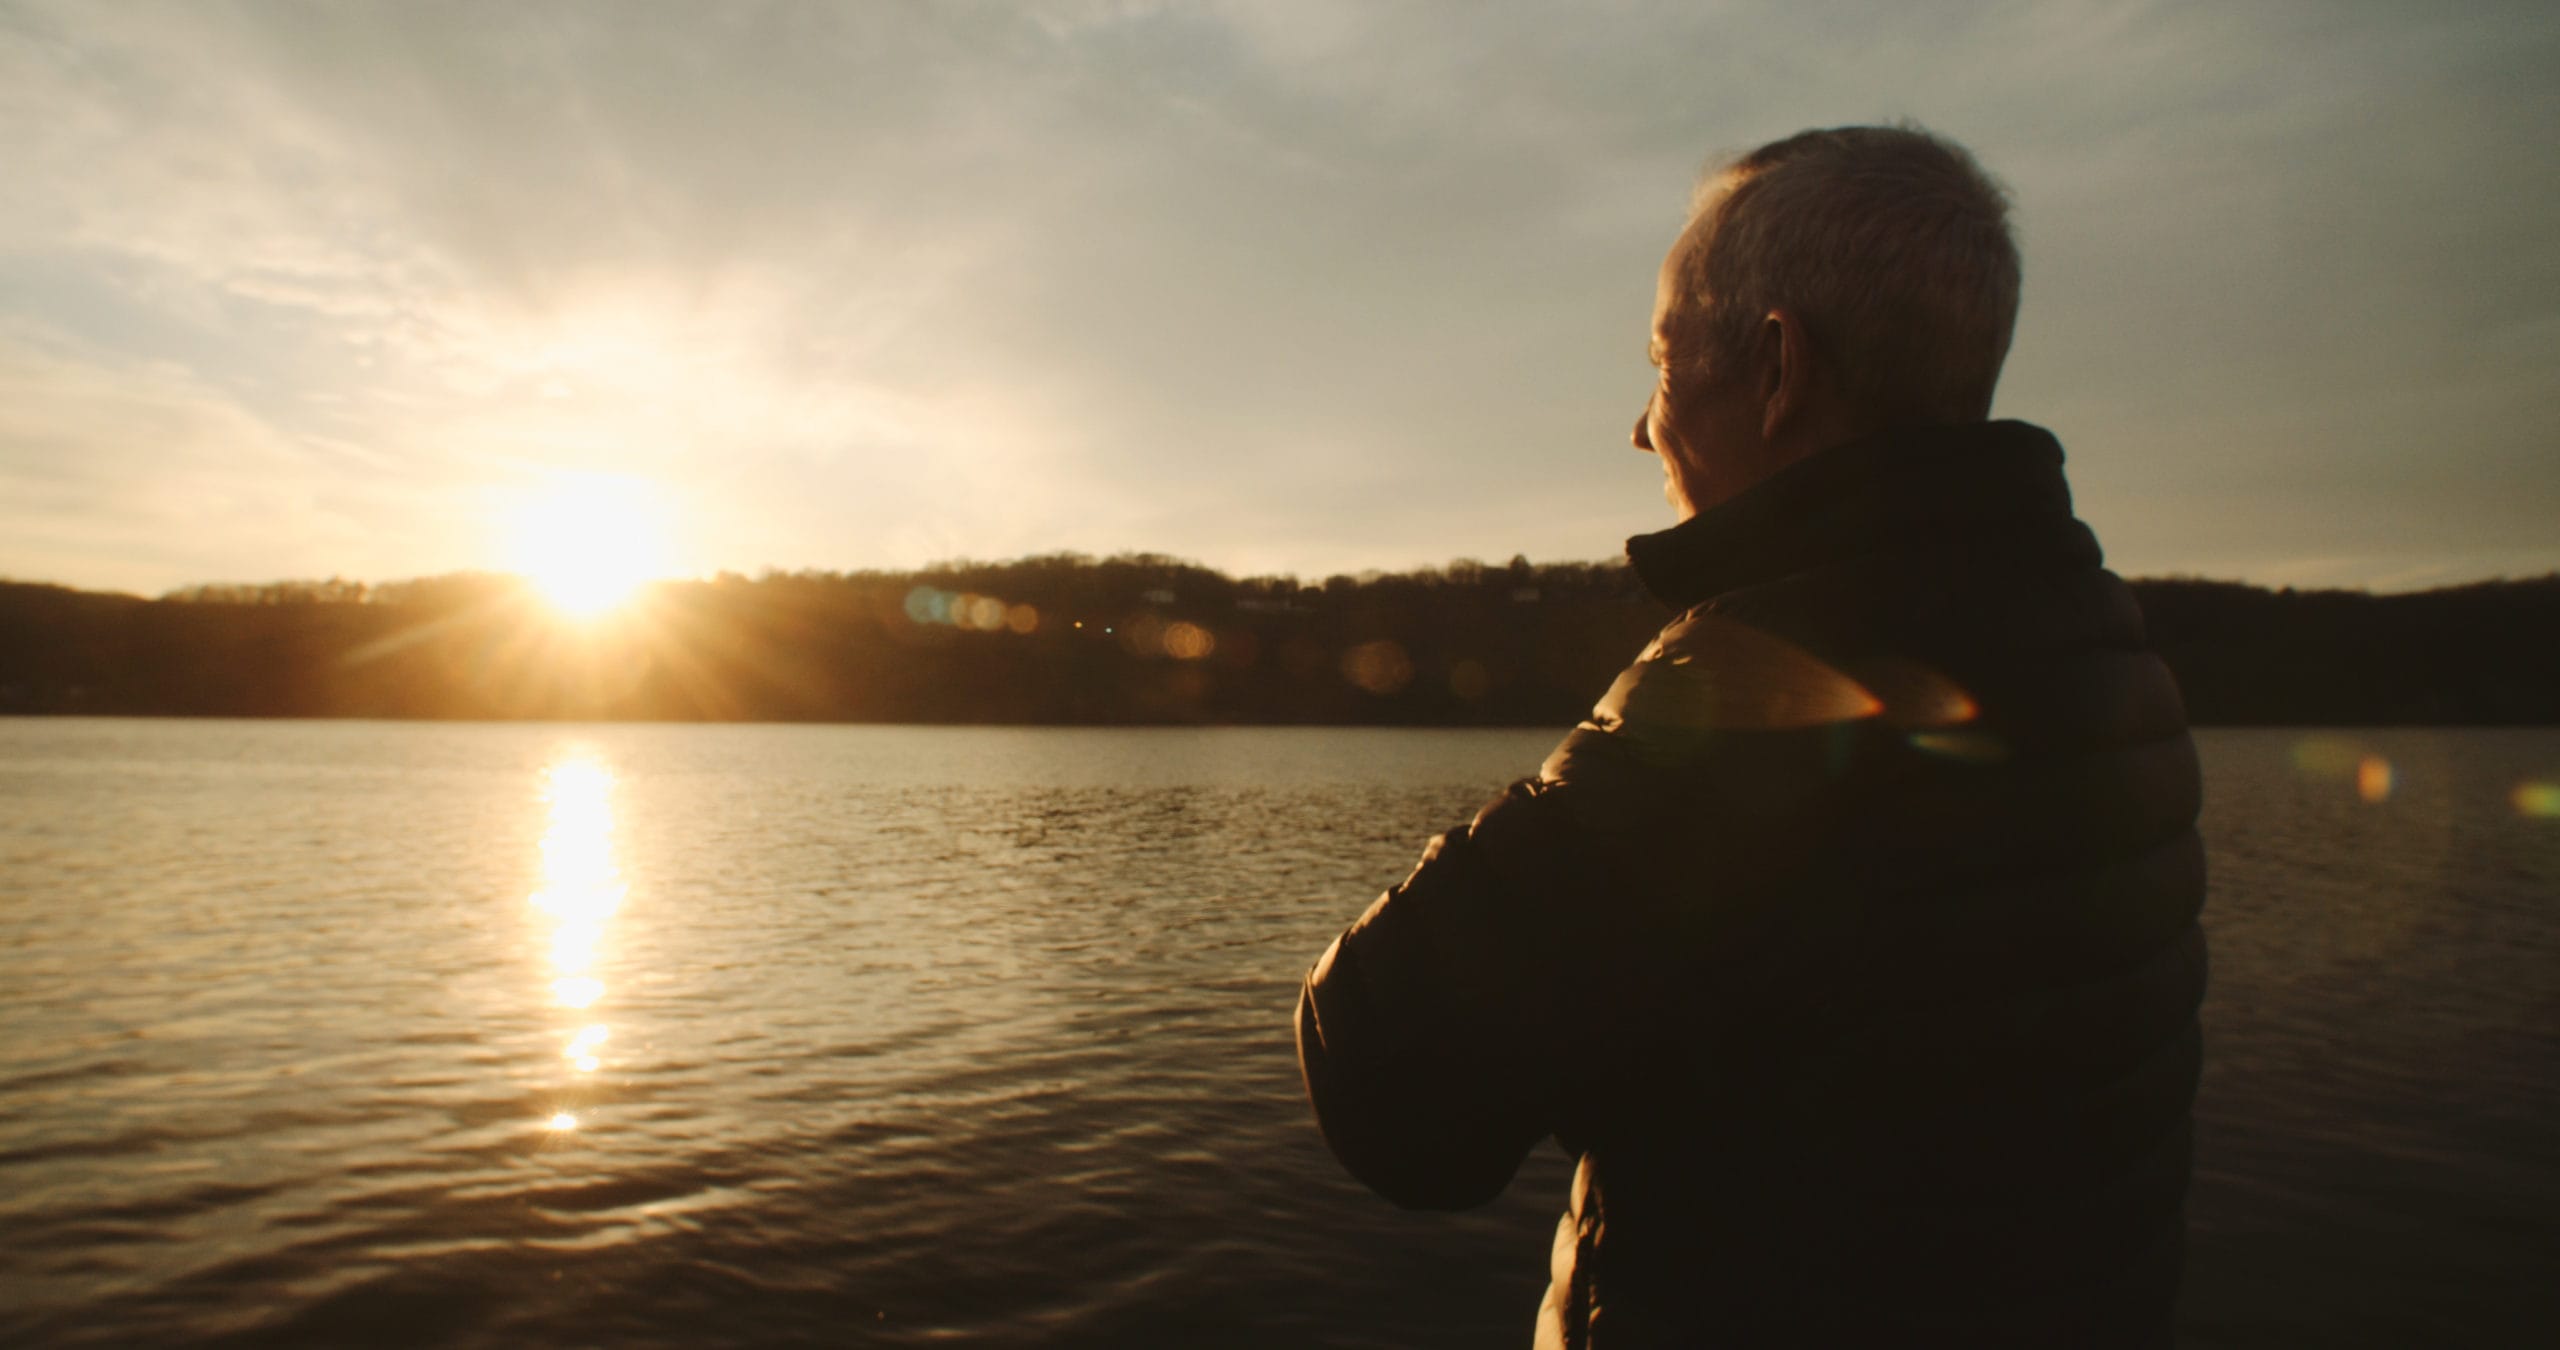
[{"x": 1852, "y": 943}]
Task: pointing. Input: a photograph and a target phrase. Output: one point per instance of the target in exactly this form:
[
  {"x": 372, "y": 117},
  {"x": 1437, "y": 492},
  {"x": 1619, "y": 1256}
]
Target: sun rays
[{"x": 587, "y": 542}]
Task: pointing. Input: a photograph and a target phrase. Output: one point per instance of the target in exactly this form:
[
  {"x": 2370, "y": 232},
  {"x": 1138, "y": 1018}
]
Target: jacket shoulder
[{"x": 1709, "y": 678}]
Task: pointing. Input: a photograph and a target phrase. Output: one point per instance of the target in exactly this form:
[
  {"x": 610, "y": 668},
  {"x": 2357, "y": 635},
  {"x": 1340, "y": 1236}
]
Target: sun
[{"x": 588, "y": 542}]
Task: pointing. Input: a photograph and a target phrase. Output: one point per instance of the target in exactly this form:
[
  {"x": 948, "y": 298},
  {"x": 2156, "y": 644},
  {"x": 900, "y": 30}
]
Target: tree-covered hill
[{"x": 1141, "y": 639}]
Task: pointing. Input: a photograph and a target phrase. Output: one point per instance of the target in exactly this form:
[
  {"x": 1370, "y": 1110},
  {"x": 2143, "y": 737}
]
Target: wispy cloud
[{"x": 293, "y": 289}]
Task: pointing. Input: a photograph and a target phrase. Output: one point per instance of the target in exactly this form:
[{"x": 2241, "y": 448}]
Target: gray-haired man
[{"x": 1851, "y": 943}]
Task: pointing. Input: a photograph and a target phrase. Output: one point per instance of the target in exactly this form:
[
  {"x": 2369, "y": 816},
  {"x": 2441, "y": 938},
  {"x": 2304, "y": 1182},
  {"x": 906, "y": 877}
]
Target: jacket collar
[{"x": 1917, "y": 488}]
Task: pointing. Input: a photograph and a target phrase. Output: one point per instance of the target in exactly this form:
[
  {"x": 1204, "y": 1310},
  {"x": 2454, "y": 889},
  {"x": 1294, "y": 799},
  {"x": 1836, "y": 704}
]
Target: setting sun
[{"x": 587, "y": 543}]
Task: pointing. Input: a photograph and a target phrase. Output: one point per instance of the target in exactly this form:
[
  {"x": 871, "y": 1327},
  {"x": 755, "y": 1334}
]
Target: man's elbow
[
  {"x": 1419, "y": 1145},
  {"x": 1435, "y": 1189}
]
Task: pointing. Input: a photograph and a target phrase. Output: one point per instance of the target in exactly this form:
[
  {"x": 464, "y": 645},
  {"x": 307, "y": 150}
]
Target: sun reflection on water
[{"x": 581, "y": 889}]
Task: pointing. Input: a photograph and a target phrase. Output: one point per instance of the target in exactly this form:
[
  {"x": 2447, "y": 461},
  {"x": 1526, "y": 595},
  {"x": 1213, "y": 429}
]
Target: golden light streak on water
[
  {"x": 581, "y": 889},
  {"x": 581, "y": 1048},
  {"x": 573, "y": 945}
]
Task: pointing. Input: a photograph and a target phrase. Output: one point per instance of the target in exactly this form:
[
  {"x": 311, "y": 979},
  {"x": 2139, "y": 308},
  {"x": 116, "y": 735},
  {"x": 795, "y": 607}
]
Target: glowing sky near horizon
[{"x": 296, "y": 290}]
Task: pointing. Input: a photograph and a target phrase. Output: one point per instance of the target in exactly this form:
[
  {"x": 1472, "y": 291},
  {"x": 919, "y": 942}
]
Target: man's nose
[{"x": 1638, "y": 438}]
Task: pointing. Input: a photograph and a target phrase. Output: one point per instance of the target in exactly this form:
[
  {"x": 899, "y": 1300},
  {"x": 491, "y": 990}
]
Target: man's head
[{"x": 1828, "y": 286}]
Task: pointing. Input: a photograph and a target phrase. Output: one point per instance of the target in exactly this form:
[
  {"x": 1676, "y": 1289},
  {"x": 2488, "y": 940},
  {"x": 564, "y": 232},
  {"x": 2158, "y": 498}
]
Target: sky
[{"x": 1309, "y": 286}]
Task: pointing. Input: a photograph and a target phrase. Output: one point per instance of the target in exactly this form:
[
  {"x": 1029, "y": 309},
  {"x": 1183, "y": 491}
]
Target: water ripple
[{"x": 431, "y": 1035}]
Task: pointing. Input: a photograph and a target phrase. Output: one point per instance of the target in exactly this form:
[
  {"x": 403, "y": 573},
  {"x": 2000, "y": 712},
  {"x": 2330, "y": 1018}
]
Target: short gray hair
[{"x": 1889, "y": 244}]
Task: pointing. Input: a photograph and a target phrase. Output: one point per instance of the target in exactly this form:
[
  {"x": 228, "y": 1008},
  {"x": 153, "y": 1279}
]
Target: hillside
[{"x": 1144, "y": 639}]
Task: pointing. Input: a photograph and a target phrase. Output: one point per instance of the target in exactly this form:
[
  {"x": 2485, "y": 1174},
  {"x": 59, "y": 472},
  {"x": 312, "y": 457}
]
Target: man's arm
[
  {"x": 1439, "y": 1034},
  {"x": 1430, "y": 1033}
]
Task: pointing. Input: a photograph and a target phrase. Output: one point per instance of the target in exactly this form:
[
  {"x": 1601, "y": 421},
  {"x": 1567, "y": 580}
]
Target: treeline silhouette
[{"x": 1070, "y": 639}]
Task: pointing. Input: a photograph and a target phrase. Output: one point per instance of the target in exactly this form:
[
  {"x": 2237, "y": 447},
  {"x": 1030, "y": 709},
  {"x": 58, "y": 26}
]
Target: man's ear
[{"x": 1785, "y": 372}]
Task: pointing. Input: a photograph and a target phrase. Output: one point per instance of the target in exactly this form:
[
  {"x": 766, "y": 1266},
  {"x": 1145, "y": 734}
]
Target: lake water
[{"x": 358, "y": 1033}]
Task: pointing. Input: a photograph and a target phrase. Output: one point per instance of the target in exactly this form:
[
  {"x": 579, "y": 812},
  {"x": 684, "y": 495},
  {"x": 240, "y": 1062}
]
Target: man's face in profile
[{"x": 1699, "y": 420}]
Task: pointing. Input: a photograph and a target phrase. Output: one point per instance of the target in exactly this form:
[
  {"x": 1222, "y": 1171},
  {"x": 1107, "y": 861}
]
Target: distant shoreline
[
  {"x": 1070, "y": 641},
  {"x": 1558, "y": 727}
]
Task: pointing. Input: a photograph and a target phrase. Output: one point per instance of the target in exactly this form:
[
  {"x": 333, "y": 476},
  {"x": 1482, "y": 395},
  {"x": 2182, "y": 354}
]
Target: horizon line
[{"x": 1145, "y": 557}]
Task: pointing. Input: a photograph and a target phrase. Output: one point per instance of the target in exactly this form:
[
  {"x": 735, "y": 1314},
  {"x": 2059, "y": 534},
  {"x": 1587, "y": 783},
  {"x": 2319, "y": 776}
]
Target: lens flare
[
  {"x": 1965, "y": 747},
  {"x": 1142, "y": 636},
  {"x": 969, "y": 611},
  {"x": 1189, "y": 642},
  {"x": 2325, "y": 756},
  {"x": 927, "y": 605},
  {"x": 1380, "y": 667},
  {"x": 2373, "y": 778}
]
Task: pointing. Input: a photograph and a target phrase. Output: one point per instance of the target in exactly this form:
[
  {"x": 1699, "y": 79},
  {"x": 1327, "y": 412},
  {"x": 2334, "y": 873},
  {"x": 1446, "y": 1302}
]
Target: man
[{"x": 1851, "y": 943}]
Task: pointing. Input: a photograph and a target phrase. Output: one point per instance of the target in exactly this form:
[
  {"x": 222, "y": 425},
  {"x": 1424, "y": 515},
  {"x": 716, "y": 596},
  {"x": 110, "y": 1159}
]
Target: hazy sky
[{"x": 294, "y": 290}]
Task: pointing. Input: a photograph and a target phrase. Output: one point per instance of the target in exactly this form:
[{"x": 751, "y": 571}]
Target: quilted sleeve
[{"x": 1429, "y": 1033}]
